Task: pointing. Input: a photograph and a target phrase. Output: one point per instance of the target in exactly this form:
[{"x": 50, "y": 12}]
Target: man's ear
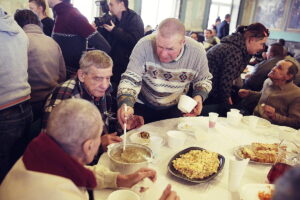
[
  {"x": 289, "y": 77},
  {"x": 87, "y": 147},
  {"x": 81, "y": 75}
]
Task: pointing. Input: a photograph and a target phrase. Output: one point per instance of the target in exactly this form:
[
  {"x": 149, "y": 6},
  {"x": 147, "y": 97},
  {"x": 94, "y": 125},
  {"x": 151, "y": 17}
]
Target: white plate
[
  {"x": 250, "y": 191},
  {"x": 187, "y": 127},
  {"x": 261, "y": 123},
  {"x": 135, "y": 138},
  {"x": 237, "y": 153}
]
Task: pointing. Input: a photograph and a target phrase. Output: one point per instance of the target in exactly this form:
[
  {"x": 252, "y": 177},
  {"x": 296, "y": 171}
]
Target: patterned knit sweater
[
  {"x": 226, "y": 62},
  {"x": 159, "y": 85}
]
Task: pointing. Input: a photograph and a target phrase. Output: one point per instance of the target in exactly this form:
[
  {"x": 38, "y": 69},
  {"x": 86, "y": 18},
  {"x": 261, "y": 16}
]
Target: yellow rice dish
[{"x": 197, "y": 164}]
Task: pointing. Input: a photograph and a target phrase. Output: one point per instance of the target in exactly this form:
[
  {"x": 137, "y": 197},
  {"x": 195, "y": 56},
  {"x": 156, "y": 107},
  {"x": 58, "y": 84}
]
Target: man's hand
[
  {"x": 133, "y": 121},
  {"x": 244, "y": 93},
  {"x": 109, "y": 28},
  {"x": 168, "y": 194},
  {"x": 198, "y": 108},
  {"x": 229, "y": 101},
  {"x": 108, "y": 139},
  {"x": 269, "y": 111},
  {"x": 132, "y": 179}
]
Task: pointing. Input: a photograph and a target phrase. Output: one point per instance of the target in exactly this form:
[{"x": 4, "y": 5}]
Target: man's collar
[{"x": 181, "y": 53}]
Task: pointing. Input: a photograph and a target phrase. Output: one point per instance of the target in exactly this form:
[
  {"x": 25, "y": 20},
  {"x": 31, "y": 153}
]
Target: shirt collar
[{"x": 181, "y": 53}]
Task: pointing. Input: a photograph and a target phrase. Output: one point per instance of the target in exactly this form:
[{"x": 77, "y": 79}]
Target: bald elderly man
[
  {"x": 53, "y": 165},
  {"x": 162, "y": 66}
]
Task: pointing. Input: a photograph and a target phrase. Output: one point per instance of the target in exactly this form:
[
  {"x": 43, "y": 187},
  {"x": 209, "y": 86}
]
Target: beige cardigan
[{"x": 24, "y": 184}]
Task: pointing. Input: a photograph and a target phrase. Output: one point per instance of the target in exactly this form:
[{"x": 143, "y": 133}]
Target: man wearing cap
[{"x": 279, "y": 100}]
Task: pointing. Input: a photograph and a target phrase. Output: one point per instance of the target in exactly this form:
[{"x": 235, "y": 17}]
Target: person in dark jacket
[
  {"x": 39, "y": 7},
  {"x": 228, "y": 60},
  {"x": 223, "y": 28},
  {"x": 256, "y": 79},
  {"x": 74, "y": 34},
  {"x": 122, "y": 34}
]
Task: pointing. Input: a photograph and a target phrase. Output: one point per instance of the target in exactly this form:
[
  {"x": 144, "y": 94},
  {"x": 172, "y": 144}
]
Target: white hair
[{"x": 72, "y": 122}]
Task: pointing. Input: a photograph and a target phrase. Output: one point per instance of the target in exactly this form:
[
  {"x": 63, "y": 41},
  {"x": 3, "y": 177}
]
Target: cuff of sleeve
[
  {"x": 104, "y": 177},
  {"x": 201, "y": 93},
  {"x": 127, "y": 100}
]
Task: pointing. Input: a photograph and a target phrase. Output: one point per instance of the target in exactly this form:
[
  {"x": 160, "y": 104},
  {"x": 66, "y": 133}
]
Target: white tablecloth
[{"x": 221, "y": 139}]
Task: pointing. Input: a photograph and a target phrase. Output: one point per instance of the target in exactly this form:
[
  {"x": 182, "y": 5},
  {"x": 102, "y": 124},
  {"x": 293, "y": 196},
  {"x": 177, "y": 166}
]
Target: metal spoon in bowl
[{"x": 125, "y": 127}]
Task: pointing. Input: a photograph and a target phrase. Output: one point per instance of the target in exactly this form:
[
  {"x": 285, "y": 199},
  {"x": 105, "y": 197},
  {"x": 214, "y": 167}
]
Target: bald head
[
  {"x": 73, "y": 122},
  {"x": 170, "y": 27}
]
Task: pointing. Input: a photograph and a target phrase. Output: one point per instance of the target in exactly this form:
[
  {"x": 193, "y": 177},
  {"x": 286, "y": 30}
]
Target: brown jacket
[{"x": 285, "y": 100}]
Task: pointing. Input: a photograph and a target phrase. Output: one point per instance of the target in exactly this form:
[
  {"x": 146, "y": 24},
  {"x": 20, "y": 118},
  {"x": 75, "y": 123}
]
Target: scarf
[{"x": 44, "y": 155}]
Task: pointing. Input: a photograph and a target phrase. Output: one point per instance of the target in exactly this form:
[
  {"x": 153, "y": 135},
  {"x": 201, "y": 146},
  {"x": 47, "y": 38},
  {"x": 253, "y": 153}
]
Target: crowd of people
[{"x": 79, "y": 86}]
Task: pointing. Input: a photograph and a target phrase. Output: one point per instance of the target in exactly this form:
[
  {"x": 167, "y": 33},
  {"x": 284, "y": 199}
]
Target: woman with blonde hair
[{"x": 41, "y": 9}]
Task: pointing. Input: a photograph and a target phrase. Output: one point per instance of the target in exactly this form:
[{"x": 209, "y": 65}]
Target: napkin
[
  {"x": 142, "y": 186},
  {"x": 236, "y": 172}
]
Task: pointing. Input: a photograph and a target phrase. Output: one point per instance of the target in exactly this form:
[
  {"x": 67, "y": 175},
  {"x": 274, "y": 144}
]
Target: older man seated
[
  {"x": 279, "y": 100},
  {"x": 52, "y": 166}
]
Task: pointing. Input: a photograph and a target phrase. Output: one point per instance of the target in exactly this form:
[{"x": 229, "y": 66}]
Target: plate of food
[
  {"x": 196, "y": 165},
  {"x": 145, "y": 137},
  {"x": 261, "y": 123},
  {"x": 259, "y": 152},
  {"x": 257, "y": 192}
]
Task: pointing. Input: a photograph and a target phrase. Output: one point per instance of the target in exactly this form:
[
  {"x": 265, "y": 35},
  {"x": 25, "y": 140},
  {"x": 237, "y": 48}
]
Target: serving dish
[
  {"x": 251, "y": 191},
  {"x": 123, "y": 167},
  {"x": 179, "y": 175}
]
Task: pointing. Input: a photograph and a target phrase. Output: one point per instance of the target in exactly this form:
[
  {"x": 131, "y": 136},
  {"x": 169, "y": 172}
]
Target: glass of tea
[{"x": 287, "y": 157}]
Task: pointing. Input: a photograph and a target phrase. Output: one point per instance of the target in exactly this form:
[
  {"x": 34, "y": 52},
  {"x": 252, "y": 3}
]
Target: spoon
[{"x": 125, "y": 127}]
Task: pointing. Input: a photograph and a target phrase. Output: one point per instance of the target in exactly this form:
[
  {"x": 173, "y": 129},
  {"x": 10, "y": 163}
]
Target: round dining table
[{"x": 224, "y": 138}]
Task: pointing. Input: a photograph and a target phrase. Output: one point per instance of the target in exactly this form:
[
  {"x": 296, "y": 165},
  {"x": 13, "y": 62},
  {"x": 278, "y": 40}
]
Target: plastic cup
[
  {"x": 176, "y": 139},
  {"x": 213, "y": 117},
  {"x": 234, "y": 118},
  {"x": 186, "y": 104},
  {"x": 236, "y": 171},
  {"x": 155, "y": 144},
  {"x": 253, "y": 121},
  {"x": 123, "y": 195},
  {"x": 233, "y": 110}
]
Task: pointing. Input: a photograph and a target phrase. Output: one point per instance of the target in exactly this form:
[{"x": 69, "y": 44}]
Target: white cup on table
[
  {"x": 176, "y": 139},
  {"x": 236, "y": 172},
  {"x": 186, "y": 104},
  {"x": 253, "y": 121},
  {"x": 213, "y": 117},
  {"x": 234, "y": 118}
]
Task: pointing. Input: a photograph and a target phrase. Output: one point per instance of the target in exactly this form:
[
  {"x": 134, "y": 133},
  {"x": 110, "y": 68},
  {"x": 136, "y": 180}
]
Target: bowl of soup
[{"x": 134, "y": 157}]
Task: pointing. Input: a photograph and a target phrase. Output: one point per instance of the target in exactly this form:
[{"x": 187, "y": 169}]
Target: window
[
  {"x": 218, "y": 8},
  {"x": 86, "y": 7},
  {"x": 154, "y": 11}
]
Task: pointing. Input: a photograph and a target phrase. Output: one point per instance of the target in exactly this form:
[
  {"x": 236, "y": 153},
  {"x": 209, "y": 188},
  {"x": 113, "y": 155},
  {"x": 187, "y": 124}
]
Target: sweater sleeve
[
  {"x": 131, "y": 82},
  {"x": 293, "y": 118},
  {"x": 104, "y": 177}
]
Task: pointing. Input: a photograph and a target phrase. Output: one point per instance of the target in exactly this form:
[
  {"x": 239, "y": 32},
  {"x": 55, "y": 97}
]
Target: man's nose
[
  {"x": 105, "y": 84},
  {"x": 164, "y": 53}
]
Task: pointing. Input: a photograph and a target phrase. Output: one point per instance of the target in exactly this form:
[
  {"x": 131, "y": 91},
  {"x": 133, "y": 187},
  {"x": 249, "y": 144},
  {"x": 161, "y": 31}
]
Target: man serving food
[{"x": 162, "y": 66}]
